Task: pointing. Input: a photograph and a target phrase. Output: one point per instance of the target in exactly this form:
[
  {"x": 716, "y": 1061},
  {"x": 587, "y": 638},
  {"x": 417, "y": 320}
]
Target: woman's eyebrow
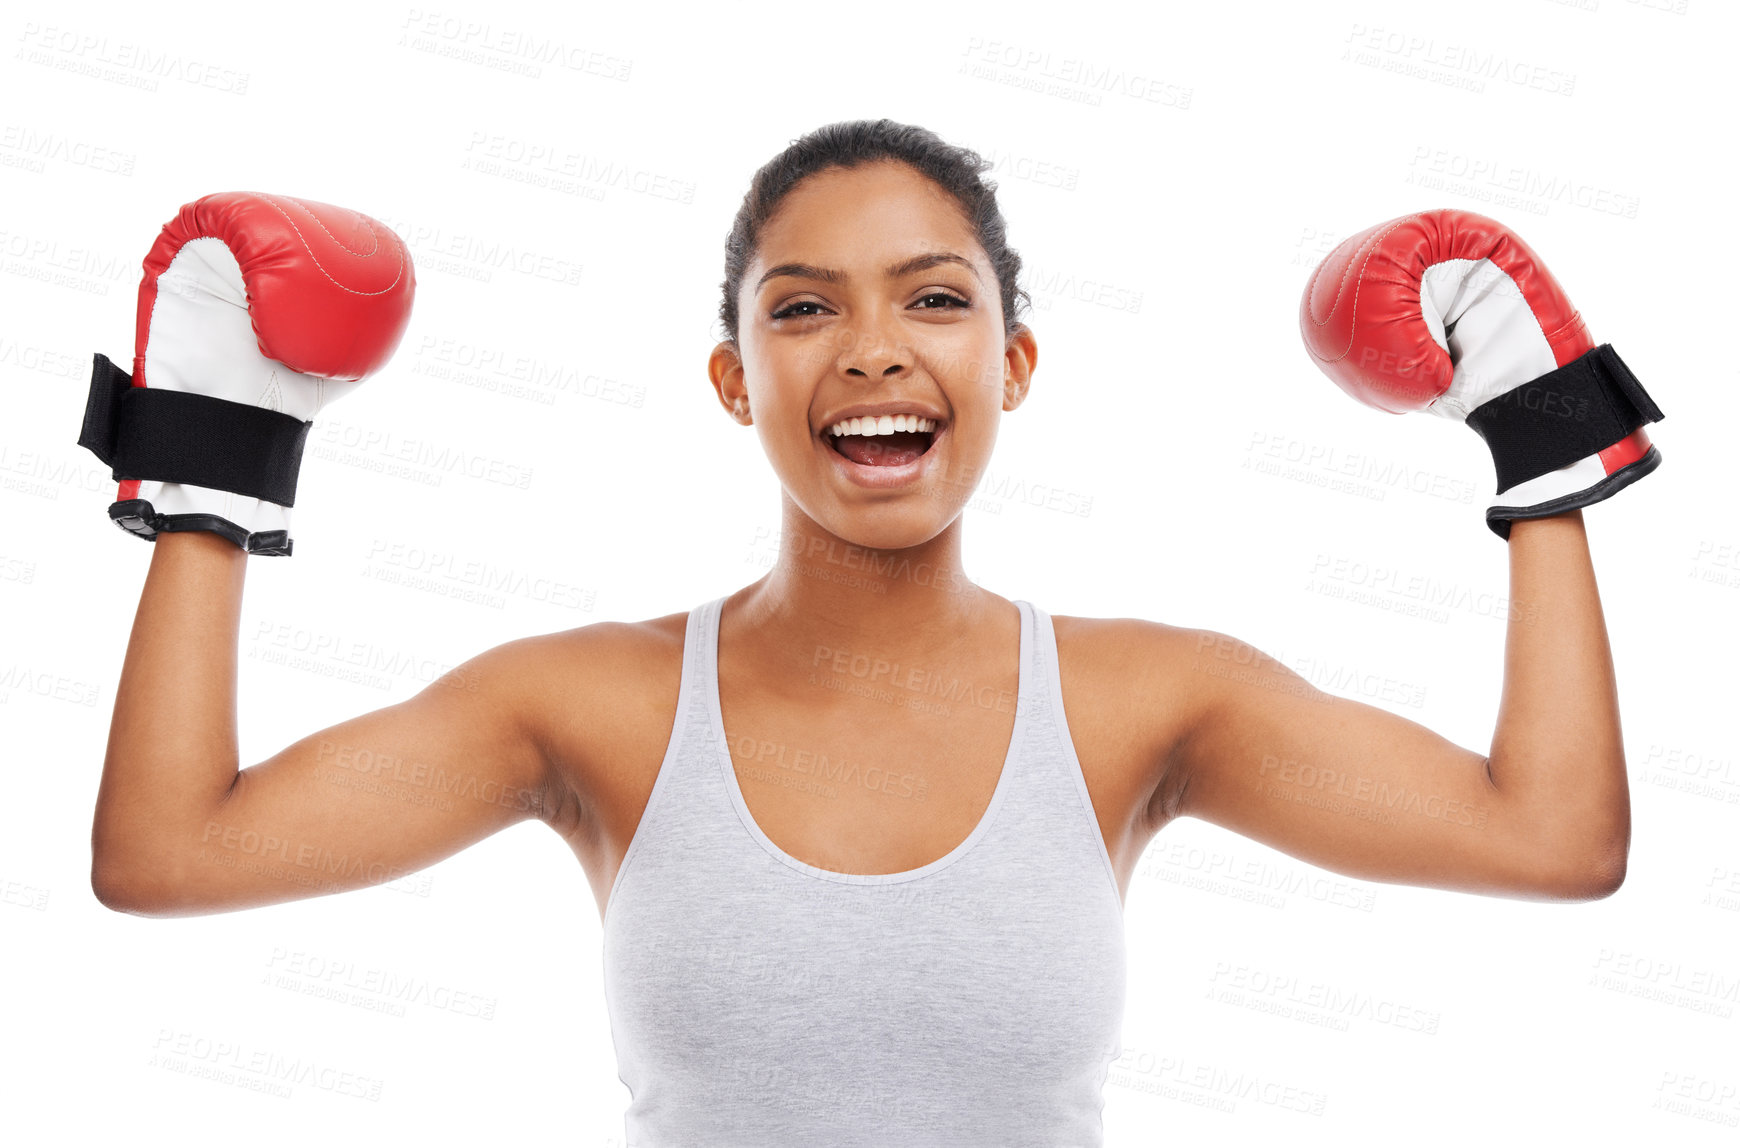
[{"x": 893, "y": 271}]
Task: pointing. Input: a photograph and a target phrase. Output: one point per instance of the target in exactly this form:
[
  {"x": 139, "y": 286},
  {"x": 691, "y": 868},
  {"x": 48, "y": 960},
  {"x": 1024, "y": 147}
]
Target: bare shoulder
[
  {"x": 1129, "y": 654},
  {"x": 1129, "y": 643},
  {"x": 595, "y": 693},
  {"x": 1129, "y": 687}
]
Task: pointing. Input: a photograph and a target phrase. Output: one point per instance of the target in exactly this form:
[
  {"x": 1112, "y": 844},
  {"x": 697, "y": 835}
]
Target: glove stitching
[
  {"x": 316, "y": 259},
  {"x": 272, "y": 398},
  {"x": 1371, "y": 247},
  {"x": 337, "y": 242},
  {"x": 1575, "y": 319}
]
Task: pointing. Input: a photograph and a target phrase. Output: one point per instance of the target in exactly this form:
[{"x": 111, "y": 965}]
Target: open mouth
[
  {"x": 898, "y": 448},
  {"x": 887, "y": 442}
]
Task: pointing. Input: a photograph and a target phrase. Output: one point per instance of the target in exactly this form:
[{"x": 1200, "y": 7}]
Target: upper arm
[
  {"x": 368, "y": 800},
  {"x": 1348, "y": 786}
]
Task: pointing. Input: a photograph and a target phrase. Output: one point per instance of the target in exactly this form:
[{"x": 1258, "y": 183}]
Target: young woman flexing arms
[{"x": 860, "y": 831}]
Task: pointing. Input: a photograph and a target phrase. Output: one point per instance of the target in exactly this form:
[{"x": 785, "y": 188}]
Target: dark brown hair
[{"x": 958, "y": 171}]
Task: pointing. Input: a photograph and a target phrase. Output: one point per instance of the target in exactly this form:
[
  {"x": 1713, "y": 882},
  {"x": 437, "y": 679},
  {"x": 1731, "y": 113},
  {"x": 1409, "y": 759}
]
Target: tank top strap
[
  {"x": 693, "y": 737},
  {"x": 680, "y": 791},
  {"x": 701, "y": 664},
  {"x": 1052, "y": 724}
]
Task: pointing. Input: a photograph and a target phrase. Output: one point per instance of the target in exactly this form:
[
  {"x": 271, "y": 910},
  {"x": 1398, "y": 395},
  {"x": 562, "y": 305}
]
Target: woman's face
[{"x": 870, "y": 294}]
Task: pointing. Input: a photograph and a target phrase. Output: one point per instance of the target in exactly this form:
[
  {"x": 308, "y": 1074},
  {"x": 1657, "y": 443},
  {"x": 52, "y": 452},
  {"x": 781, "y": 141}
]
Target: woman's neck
[{"x": 826, "y": 596}]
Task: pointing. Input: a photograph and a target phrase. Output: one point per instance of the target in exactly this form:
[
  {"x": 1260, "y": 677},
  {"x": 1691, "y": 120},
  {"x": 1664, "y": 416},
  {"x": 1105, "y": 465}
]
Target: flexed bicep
[{"x": 1359, "y": 790}]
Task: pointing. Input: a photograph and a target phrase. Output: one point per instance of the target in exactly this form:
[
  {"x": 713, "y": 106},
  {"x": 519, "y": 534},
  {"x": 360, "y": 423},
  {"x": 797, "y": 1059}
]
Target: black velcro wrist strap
[
  {"x": 179, "y": 436},
  {"x": 137, "y": 516},
  {"x": 1580, "y": 409}
]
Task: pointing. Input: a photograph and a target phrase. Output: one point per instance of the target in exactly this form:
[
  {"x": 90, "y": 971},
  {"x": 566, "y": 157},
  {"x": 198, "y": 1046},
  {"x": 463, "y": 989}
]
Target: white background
[{"x": 1179, "y": 459}]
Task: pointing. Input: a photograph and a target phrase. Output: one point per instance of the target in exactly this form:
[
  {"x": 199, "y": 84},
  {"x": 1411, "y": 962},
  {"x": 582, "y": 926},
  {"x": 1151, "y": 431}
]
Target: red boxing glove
[
  {"x": 255, "y": 311},
  {"x": 1450, "y": 312}
]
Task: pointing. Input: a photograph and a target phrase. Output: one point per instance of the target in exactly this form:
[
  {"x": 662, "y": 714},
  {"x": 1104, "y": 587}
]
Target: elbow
[
  {"x": 1604, "y": 869},
  {"x": 112, "y": 889},
  {"x": 1592, "y": 879},
  {"x": 1606, "y": 873},
  {"x": 1580, "y": 855},
  {"x": 118, "y": 887}
]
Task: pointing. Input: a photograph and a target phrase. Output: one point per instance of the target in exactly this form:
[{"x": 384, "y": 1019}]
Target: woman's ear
[
  {"x": 725, "y": 369},
  {"x": 1020, "y": 356}
]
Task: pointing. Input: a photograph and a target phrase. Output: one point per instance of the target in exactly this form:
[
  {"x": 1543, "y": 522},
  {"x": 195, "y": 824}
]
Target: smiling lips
[{"x": 887, "y": 440}]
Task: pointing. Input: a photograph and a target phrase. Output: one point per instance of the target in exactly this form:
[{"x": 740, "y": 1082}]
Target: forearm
[
  {"x": 1557, "y": 751},
  {"x": 172, "y": 752}
]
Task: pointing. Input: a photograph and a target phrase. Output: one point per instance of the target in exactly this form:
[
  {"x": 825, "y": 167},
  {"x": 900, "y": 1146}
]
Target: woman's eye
[
  {"x": 790, "y": 309},
  {"x": 949, "y": 300}
]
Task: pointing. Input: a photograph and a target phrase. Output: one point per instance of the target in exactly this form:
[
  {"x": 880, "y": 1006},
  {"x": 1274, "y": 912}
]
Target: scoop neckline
[{"x": 715, "y": 716}]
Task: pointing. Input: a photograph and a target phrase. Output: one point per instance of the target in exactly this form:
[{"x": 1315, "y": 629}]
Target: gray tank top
[{"x": 760, "y": 1001}]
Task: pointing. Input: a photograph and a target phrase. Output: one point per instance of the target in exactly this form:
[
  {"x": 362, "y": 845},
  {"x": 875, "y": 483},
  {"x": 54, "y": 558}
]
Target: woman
[{"x": 860, "y": 831}]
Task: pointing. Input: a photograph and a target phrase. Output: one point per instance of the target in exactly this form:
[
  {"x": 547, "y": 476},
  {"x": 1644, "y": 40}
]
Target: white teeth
[{"x": 886, "y": 424}]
